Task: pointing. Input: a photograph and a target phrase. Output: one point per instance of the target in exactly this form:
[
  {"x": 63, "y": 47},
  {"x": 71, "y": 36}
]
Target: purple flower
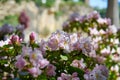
[
  {"x": 106, "y": 51},
  {"x": 104, "y": 71},
  {"x": 43, "y": 63},
  {"x": 20, "y": 28},
  {"x": 100, "y": 72},
  {"x": 35, "y": 56},
  {"x": 78, "y": 64},
  {"x": 68, "y": 76},
  {"x": 82, "y": 19},
  {"x": 32, "y": 37},
  {"x": 58, "y": 40},
  {"x": 85, "y": 45},
  {"x": 75, "y": 76},
  {"x": 43, "y": 47},
  {"x": 7, "y": 29},
  {"x": 102, "y": 21},
  {"x": 112, "y": 29},
  {"x": 65, "y": 44},
  {"x": 93, "y": 15},
  {"x": 100, "y": 59},
  {"x": 53, "y": 43},
  {"x": 93, "y": 31},
  {"x": 73, "y": 38},
  {"x": 74, "y": 17},
  {"x": 15, "y": 39},
  {"x": 21, "y": 62},
  {"x": 34, "y": 71},
  {"x": 23, "y": 19},
  {"x": 64, "y": 77},
  {"x": 66, "y": 25},
  {"x": 50, "y": 71},
  {"x": 26, "y": 51}
]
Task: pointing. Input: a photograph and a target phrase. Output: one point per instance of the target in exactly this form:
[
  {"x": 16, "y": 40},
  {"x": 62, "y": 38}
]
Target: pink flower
[
  {"x": 112, "y": 29},
  {"x": 43, "y": 63},
  {"x": 34, "y": 71},
  {"x": 15, "y": 39},
  {"x": 68, "y": 76},
  {"x": 94, "y": 31},
  {"x": 75, "y": 76},
  {"x": 86, "y": 45},
  {"x": 65, "y": 25},
  {"x": 78, "y": 64},
  {"x": 94, "y": 15},
  {"x": 102, "y": 21},
  {"x": 100, "y": 72},
  {"x": 100, "y": 59},
  {"x": 102, "y": 32},
  {"x": 43, "y": 47},
  {"x": 104, "y": 71},
  {"x": 74, "y": 17},
  {"x": 21, "y": 62},
  {"x": 65, "y": 45},
  {"x": 105, "y": 51},
  {"x": 73, "y": 38},
  {"x": 64, "y": 77},
  {"x": 35, "y": 56},
  {"x": 53, "y": 43},
  {"x": 32, "y": 38},
  {"x": 51, "y": 70}
]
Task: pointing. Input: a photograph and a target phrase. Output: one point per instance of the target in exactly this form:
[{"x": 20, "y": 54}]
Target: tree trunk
[
  {"x": 86, "y": 2},
  {"x": 113, "y": 12}
]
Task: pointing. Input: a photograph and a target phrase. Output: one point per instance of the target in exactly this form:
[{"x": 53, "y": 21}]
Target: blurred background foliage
[
  {"x": 46, "y": 10},
  {"x": 11, "y": 19}
]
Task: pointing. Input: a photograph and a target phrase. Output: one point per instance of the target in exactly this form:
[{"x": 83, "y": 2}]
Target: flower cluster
[
  {"x": 100, "y": 72},
  {"x": 7, "y": 29},
  {"x": 64, "y": 56},
  {"x": 77, "y": 22},
  {"x": 69, "y": 42},
  {"x": 104, "y": 36},
  {"x": 34, "y": 62},
  {"x": 70, "y": 51},
  {"x": 68, "y": 76}
]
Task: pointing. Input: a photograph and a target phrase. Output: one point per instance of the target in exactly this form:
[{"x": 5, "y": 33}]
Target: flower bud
[
  {"x": 24, "y": 19},
  {"x": 15, "y": 39},
  {"x": 32, "y": 37}
]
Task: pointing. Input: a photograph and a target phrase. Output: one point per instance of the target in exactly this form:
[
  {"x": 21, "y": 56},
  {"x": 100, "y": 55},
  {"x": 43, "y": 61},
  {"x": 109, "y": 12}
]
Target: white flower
[
  {"x": 112, "y": 29},
  {"x": 94, "y": 31},
  {"x": 115, "y": 68},
  {"x": 115, "y": 57},
  {"x": 103, "y": 21},
  {"x": 116, "y": 41},
  {"x": 78, "y": 63},
  {"x": 102, "y": 31},
  {"x": 2, "y": 43},
  {"x": 105, "y": 51},
  {"x": 35, "y": 71},
  {"x": 97, "y": 39},
  {"x": 73, "y": 38},
  {"x": 118, "y": 50}
]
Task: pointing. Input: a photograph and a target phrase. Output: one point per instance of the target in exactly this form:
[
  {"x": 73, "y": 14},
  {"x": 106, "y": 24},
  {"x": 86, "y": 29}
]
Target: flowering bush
[
  {"x": 7, "y": 29},
  {"x": 104, "y": 36},
  {"x": 63, "y": 56}
]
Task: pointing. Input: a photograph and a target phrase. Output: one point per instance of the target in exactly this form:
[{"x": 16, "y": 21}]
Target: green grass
[{"x": 10, "y": 19}]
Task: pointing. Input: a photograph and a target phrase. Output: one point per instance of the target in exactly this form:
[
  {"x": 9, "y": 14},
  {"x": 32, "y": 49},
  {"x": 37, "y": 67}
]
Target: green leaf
[{"x": 64, "y": 57}]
